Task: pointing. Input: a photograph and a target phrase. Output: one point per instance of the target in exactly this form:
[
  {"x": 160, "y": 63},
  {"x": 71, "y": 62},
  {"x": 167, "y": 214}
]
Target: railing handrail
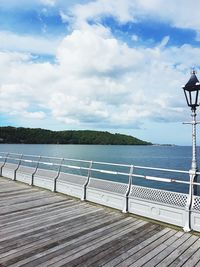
[
  {"x": 160, "y": 169},
  {"x": 48, "y": 157},
  {"x": 95, "y": 162},
  {"x": 23, "y": 157},
  {"x": 112, "y": 164}
]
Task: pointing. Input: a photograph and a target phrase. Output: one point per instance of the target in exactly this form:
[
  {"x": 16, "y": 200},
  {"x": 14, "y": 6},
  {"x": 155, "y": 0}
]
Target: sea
[{"x": 156, "y": 156}]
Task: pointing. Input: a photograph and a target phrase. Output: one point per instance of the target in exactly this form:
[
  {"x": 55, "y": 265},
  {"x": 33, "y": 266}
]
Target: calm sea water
[{"x": 172, "y": 157}]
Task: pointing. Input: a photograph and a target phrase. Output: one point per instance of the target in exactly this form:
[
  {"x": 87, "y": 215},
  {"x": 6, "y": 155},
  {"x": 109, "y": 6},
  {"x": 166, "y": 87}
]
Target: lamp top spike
[{"x": 193, "y": 71}]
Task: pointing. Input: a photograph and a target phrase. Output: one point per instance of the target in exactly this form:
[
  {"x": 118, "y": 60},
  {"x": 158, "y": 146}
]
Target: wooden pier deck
[{"x": 41, "y": 228}]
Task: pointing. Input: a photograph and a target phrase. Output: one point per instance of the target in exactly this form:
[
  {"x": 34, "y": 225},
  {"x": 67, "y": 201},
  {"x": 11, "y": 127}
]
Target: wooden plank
[
  {"x": 73, "y": 227},
  {"x": 10, "y": 191},
  {"x": 174, "y": 242},
  {"x": 135, "y": 249},
  {"x": 14, "y": 186},
  {"x": 71, "y": 230},
  {"x": 24, "y": 206},
  {"x": 24, "y": 214},
  {"x": 70, "y": 247},
  {"x": 33, "y": 221},
  {"x": 84, "y": 246},
  {"x": 116, "y": 247},
  {"x": 65, "y": 221},
  {"x": 52, "y": 236},
  {"x": 194, "y": 260},
  {"x": 40, "y": 228},
  {"x": 25, "y": 198},
  {"x": 57, "y": 237},
  {"x": 142, "y": 252},
  {"x": 155, "y": 251},
  {"x": 184, "y": 257},
  {"x": 178, "y": 251}
]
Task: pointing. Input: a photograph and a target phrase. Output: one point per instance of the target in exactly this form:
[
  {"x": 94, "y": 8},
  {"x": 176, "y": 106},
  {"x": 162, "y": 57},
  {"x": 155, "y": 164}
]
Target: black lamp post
[{"x": 191, "y": 91}]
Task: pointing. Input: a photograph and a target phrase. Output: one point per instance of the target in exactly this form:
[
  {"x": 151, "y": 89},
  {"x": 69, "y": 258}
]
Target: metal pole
[
  {"x": 194, "y": 153},
  {"x": 4, "y": 163},
  {"x": 194, "y": 149},
  {"x": 192, "y": 172},
  {"x": 15, "y": 172},
  {"x": 58, "y": 174},
  {"x": 87, "y": 181},
  {"x": 36, "y": 168},
  {"x": 125, "y": 209}
]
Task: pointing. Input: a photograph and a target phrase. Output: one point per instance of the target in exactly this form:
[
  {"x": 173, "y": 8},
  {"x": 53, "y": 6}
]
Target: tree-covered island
[{"x": 13, "y": 135}]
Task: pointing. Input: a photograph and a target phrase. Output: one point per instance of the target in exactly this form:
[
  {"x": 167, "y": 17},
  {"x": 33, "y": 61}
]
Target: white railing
[{"x": 120, "y": 186}]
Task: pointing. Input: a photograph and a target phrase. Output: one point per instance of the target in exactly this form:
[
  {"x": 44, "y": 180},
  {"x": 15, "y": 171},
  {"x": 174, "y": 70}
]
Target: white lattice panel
[
  {"x": 71, "y": 178},
  {"x": 114, "y": 187},
  {"x": 195, "y": 214},
  {"x": 196, "y": 203},
  {"x": 161, "y": 196}
]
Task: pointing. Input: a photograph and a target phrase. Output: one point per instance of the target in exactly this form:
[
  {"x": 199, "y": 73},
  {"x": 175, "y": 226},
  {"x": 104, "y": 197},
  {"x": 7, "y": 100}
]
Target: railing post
[
  {"x": 32, "y": 177},
  {"x": 6, "y": 157},
  {"x": 187, "y": 227},
  {"x": 87, "y": 182},
  {"x": 125, "y": 209},
  {"x": 55, "y": 180},
  {"x": 14, "y": 178}
]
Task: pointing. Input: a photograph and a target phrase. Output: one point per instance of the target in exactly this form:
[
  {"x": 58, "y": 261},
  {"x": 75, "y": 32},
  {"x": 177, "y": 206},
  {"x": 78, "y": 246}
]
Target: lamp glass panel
[
  {"x": 193, "y": 97},
  {"x": 187, "y": 96}
]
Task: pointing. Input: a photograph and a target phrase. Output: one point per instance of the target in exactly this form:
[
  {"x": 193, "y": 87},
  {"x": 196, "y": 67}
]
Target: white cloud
[
  {"x": 121, "y": 9},
  {"x": 48, "y": 2},
  {"x": 164, "y": 41},
  {"x": 64, "y": 16},
  {"x": 32, "y": 44},
  {"x": 179, "y": 13},
  {"x": 198, "y": 35},
  {"x": 15, "y": 101},
  {"x": 134, "y": 38},
  {"x": 98, "y": 80},
  {"x": 98, "y": 52}
]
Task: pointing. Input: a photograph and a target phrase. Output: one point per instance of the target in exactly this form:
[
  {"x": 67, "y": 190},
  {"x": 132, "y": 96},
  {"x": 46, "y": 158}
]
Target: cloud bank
[{"x": 98, "y": 80}]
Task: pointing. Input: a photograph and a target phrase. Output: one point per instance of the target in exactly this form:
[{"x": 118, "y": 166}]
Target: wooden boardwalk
[{"x": 40, "y": 228}]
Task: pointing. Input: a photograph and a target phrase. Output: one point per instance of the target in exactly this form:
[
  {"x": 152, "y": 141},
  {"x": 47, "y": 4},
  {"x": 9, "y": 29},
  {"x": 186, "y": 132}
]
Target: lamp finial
[{"x": 193, "y": 71}]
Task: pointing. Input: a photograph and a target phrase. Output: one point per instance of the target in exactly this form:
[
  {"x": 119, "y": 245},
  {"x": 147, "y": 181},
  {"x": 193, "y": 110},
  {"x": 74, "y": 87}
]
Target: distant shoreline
[
  {"x": 13, "y": 135},
  {"x": 160, "y": 145}
]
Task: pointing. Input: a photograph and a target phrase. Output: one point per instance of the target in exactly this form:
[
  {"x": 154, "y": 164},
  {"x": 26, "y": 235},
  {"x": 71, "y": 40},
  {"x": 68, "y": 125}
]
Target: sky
[{"x": 108, "y": 65}]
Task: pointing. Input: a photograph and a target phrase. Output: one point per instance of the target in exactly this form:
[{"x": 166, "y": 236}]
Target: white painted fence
[{"x": 57, "y": 174}]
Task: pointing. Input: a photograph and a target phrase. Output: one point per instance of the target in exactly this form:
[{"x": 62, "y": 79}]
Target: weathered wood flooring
[{"x": 40, "y": 228}]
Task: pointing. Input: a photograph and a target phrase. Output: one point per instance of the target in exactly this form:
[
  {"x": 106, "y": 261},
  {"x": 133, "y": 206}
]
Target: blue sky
[{"x": 111, "y": 65}]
